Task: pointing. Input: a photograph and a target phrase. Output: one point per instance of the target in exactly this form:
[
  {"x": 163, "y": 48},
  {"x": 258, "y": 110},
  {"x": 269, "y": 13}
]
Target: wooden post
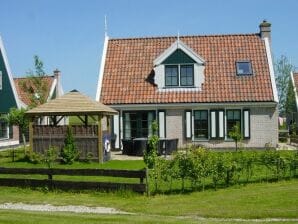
[
  {"x": 100, "y": 148},
  {"x": 86, "y": 120},
  {"x": 31, "y": 134},
  {"x": 147, "y": 182}
]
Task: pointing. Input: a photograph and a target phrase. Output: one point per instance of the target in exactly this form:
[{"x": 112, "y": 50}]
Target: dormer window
[
  {"x": 179, "y": 68},
  {"x": 243, "y": 68},
  {"x": 179, "y": 75}
]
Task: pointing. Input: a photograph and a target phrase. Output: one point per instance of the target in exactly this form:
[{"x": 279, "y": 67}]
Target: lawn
[
  {"x": 262, "y": 200},
  {"x": 247, "y": 201}
]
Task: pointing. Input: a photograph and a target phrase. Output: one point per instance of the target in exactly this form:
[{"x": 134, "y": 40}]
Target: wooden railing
[{"x": 51, "y": 183}]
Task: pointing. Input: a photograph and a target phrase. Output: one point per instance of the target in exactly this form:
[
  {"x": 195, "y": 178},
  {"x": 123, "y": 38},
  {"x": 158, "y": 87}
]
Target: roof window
[{"x": 243, "y": 68}]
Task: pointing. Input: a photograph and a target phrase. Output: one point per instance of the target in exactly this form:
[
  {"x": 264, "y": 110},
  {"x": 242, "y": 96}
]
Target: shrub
[
  {"x": 50, "y": 156},
  {"x": 184, "y": 167},
  {"x": 32, "y": 157},
  {"x": 201, "y": 163},
  {"x": 69, "y": 152},
  {"x": 236, "y": 135},
  {"x": 150, "y": 154}
]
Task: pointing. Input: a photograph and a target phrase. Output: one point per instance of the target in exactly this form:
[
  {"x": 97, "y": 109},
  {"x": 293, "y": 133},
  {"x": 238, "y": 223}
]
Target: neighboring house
[
  {"x": 9, "y": 135},
  {"x": 52, "y": 82},
  {"x": 12, "y": 94},
  {"x": 196, "y": 87}
]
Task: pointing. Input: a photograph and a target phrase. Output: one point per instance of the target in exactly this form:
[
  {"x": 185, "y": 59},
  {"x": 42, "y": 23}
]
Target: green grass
[
  {"x": 262, "y": 200},
  {"x": 12, "y": 217}
]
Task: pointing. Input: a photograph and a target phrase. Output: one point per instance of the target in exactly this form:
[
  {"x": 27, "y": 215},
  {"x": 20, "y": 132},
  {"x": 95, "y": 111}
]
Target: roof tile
[{"x": 129, "y": 62}]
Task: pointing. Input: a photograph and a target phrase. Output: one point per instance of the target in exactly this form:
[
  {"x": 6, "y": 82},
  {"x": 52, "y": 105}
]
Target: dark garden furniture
[{"x": 137, "y": 146}]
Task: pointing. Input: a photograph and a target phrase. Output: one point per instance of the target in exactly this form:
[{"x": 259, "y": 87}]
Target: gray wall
[{"x": 263, "y": 129}]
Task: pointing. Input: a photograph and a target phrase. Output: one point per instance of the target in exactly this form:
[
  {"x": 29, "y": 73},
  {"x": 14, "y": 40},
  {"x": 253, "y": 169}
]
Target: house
[
  {"x": 9, "y": 135},
  {"x": 196, "y": 87},
  {"x": 12, "y": 94},
  {"x": 52, "y": 83}
]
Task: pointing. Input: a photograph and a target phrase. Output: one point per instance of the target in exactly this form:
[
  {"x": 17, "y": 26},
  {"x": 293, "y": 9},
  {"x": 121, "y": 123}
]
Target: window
[
  {"x": 243, "y": 68},
  {"x": 171, "y": 75},
  {"x": 233, "y": 118},
  {"x": 3, "y": 129},
  {"x": 186, "y": 75},
  {"x": 201, "y": 124},
  {"x": 179, "y": 75},
  {"x": 137, "y": 124}
]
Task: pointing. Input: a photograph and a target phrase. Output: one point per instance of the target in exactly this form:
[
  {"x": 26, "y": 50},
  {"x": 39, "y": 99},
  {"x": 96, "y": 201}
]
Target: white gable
[{"x": 178, "y": 44}]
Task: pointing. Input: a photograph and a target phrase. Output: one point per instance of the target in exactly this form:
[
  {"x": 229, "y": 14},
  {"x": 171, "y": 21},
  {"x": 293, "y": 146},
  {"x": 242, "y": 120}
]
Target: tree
[
  {"x": 36, "y": 86},
  {"x": 17, "y": 117},
  {"x": 236, "y": 135},
  {"x": 69, "y": 152},
  {"x": 290, "y": 105},
  {"x": 150, "y": 154},
  {"x": 283, "y": 70}
]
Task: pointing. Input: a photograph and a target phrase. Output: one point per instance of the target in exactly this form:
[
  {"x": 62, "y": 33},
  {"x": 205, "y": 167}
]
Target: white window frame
[{"x": 179, "y": 76}]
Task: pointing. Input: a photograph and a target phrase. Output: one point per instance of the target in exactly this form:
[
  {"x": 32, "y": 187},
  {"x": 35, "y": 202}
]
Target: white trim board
[
  {"x": 271, "y": 69},
  {"x": 9, "y": 74},
  {"x": 102, "y": 66},
  {"x": 54, "y": 83},
  {"x": 295, "y": 90}
]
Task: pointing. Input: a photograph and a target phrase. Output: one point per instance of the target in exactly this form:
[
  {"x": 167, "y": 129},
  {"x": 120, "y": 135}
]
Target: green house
[{"x": 9, "y": 135}]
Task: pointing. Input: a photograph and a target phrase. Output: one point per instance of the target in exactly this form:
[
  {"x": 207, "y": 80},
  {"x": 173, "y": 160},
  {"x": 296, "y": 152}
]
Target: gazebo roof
[{"x": 72, "y": 103}]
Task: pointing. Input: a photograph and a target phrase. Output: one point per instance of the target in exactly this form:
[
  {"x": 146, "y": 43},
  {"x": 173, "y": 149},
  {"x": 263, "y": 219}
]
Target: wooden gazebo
[{"x": 88, "y": 136}]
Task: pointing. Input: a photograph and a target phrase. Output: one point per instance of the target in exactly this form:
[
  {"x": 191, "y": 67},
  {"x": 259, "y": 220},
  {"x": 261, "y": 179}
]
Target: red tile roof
[
  {"x": 129, "y": 63},
  {"x": 25, "y": 96},
  {"x": 295, "y": 76}
]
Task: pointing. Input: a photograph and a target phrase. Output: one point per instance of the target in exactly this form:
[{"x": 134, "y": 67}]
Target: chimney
[
  {"x": 57, "y": 75},
  {"x": 265, "y": 30}
]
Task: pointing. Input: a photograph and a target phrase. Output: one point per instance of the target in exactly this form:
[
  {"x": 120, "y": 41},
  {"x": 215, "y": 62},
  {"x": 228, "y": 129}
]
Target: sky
[{"x": 69, "y": 34}]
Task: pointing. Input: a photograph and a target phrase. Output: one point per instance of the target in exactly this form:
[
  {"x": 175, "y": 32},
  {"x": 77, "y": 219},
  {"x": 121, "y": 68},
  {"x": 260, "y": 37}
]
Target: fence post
[
  {"x": 50, "y": 179},
  {"x": 147, "y": 182}
]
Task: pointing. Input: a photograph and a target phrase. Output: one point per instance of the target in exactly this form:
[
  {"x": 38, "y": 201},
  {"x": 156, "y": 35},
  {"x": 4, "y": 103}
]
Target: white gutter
[
  {"x": 191, "y": 105},
  {"x": 271, "y": 69},
  {"x": 102, "y": 66}
]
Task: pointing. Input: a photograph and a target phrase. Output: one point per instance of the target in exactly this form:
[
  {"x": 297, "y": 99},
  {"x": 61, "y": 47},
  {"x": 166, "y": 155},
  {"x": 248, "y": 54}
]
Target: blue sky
[{"x": 68, "y": 34}]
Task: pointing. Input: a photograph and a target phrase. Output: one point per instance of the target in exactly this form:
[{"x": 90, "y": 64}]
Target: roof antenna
[{"x": 106, "y": 26}]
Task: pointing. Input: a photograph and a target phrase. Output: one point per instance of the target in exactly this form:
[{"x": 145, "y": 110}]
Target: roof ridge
[{"x": 184, "y": 36}]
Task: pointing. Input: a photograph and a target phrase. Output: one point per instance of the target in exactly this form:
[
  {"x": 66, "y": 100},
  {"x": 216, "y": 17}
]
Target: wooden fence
[
  {"x": 86, "y": 139},
  {"x": 75, "y": 185}
]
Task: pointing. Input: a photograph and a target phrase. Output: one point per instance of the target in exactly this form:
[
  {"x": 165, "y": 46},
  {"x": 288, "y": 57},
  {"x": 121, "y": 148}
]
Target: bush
[
  {"x": 150, "y": 154},
  {"x": 50, "y": 156},
  {"x": 200, "y": 166},
  {"x": 69, "y": 152},
  {"x": 33, "y": 157}
]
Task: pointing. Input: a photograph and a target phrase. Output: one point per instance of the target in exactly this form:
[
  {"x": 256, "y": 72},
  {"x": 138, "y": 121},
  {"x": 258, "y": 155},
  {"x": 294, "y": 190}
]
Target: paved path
[{"x": 113, "y": 211}]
